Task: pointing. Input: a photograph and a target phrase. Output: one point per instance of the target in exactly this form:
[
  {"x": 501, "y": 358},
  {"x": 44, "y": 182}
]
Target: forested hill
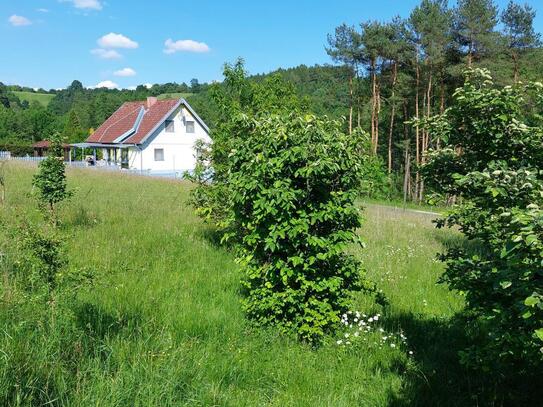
[{"x": 75, "y": 111}]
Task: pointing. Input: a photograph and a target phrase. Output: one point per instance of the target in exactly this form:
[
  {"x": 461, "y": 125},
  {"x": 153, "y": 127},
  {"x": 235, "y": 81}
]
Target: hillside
[
  {"x": 42, "y": 98},
  {"x": 175, "y": 95}
]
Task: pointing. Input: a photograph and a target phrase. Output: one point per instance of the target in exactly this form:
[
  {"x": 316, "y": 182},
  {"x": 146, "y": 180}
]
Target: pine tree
[
  {"x": 519, "y": 32},
  {"x": 374, "y": 40},
  {"x": 73, "y": 132},
  {"x": 344, "y": 47},
  {"x": 474, "y": 27}
]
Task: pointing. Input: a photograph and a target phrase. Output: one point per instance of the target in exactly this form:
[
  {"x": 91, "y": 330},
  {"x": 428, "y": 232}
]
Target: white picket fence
[
  {"x": 178, "y": 174},
  {"x": 26, "y": 158}
]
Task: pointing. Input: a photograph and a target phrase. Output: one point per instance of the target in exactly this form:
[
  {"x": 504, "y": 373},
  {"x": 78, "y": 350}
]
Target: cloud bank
[
  {"x": 19, "y": 21},
  {"x": 106, "y": 53},
  {"x": 125, "y": 72},
  {"x": 172, "y": 46},
  {"x": 113, "y": 40}
]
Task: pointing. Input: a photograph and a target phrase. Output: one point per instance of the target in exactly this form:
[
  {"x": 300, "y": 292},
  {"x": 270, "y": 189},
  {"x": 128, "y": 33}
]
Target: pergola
[
  {"x": 42, "y": 147},
  {"x": 95, "y": 146}
]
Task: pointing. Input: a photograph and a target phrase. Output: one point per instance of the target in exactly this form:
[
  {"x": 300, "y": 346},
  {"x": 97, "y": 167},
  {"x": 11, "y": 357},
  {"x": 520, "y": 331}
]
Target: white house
[{"x": 152, "y": 135}]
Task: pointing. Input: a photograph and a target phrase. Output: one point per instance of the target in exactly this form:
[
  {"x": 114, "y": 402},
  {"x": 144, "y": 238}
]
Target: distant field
[
  {"x": 174, "y": 95},
  {"x": 42, "y": 98}
]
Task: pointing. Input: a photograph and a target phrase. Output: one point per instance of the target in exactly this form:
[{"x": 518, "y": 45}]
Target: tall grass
[{"x": 162, "y": 324}]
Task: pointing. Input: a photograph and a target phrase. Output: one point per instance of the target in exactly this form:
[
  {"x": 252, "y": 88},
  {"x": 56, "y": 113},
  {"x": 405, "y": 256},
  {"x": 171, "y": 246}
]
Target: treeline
[
  {"x": 407, "y": 70},
  {"x": 73, "y": 112}
]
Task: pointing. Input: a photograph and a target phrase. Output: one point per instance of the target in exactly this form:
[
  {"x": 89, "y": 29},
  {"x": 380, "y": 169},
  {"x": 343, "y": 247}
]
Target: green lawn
[
  {"x": 176, "y": 95},
  {"x": 42, "y": 98},
  {"x": 163, "y": 327}
]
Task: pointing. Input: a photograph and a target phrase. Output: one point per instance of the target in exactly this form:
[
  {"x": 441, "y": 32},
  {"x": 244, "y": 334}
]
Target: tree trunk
[
  {"x": 407, "y": 154},
  {"x": 426, "y": 133},
  {"x": 470, "y": 53},
  {"x": 377, "y": 113},
  {"x": 392, "y": 113},
  {"x": 350, "y": 103},
  {"x": 515, "y": 67},
  {"x": 441, "y": 104},
  {"x": 417, "y": 130},
  {"x": 373, "y": 104},
  {"x": 358, "y": 99}
]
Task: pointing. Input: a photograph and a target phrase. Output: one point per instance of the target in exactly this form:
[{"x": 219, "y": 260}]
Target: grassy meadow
[
  {"x": 175, "y": 95},
  {"x": 162, "y": 323},
  {"x": 42, "y": 98}
]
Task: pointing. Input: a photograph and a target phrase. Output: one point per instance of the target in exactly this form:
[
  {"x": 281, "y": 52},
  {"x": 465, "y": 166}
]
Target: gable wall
[{"x": 178, "y": 146}]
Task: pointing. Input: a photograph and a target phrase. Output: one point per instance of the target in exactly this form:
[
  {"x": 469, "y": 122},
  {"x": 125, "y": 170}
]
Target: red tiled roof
[
  {"x": 124, "y": 119},
  {"x": 151, "y": 119},
  {"x": 121, "y": 121}
]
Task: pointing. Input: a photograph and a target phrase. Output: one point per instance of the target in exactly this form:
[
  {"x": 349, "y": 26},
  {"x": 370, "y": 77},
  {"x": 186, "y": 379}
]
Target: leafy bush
[
  {"x": 493, "y": 162},
  {"x": 281, "y": 187},
  {"x": 294, "y": 182},
  {"x": 40, "y": 256}
]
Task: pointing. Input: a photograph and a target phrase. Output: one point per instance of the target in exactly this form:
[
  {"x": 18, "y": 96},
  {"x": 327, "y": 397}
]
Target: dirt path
[{"x": 398, "y": 210}]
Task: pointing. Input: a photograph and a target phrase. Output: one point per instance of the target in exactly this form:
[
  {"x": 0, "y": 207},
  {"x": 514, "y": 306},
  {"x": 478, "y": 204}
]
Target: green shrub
[
  {"x": 294, "y": 182},
  {"x": 492, "y": 161},
  {"x": 50, "y": 180},
  {"x": 280, "y": 187}
]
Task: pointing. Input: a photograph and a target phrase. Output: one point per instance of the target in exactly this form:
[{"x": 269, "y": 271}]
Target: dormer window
[
  {"x": 190, "y": 126},
  {"x": 170, "y": 126}
]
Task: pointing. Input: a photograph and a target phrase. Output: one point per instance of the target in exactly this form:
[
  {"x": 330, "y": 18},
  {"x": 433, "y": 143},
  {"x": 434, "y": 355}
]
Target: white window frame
[
  {"x": 172, "y": 126},
  {"x": 193, "y": 126},
  {"x": 156, "y": 150}
]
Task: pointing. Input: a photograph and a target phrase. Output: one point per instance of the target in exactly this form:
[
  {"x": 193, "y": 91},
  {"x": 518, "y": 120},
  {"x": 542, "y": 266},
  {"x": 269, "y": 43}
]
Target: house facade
[{"x": 156, "y": 136}]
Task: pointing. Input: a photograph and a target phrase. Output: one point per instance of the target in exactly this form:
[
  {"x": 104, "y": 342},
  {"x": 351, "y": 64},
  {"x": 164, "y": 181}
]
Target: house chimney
[{"x": 151, "y": 101}]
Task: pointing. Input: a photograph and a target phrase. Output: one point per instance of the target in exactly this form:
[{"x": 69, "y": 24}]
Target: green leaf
[{"x": 505, "y": 284}]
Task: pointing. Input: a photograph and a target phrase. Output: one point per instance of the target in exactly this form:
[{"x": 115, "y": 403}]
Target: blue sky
[{"x": 48, "y": 43}]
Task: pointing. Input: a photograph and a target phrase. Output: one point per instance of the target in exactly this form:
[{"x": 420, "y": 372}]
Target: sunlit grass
[
  {"x": 163, "y": 325},
  {"x": 42, "y": 98}
]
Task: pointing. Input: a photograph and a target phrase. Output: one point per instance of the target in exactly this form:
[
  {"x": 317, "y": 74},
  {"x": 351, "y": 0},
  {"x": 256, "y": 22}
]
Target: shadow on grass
[
  {"x": 440, "y": 380},
  {"x": 99, "y": 323},
  {"x": 450, "y": 240},
  {"x": 212, "y": 236},
  {"x": 79, "y": 217}
]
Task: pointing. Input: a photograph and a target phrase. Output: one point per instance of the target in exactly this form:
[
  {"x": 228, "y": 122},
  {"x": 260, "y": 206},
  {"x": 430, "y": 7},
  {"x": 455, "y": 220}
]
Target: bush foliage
[
  {"x": 294, "y": 183},
  {"x": 282, "y": 187},
  {"x": 50, "y": 180},
  {"x": 492, "y": 161}
]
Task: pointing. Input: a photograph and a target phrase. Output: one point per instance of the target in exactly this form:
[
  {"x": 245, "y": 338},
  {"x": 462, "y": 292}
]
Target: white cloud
[
  {"x": 184, "y": 46},
  {"x": 106, "y": 53},
  {"x": 148, "y": 85},
  {"x": 133, "y": 87},
  {"x": 106, "y": 84},
  {"x": 113, "y": 40},
  {"x": 125, "y": 72},
  {"x": 42, "y": 10},
  {"x": 85, "y": 4},
  {"x": 18, "y": 21}
]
